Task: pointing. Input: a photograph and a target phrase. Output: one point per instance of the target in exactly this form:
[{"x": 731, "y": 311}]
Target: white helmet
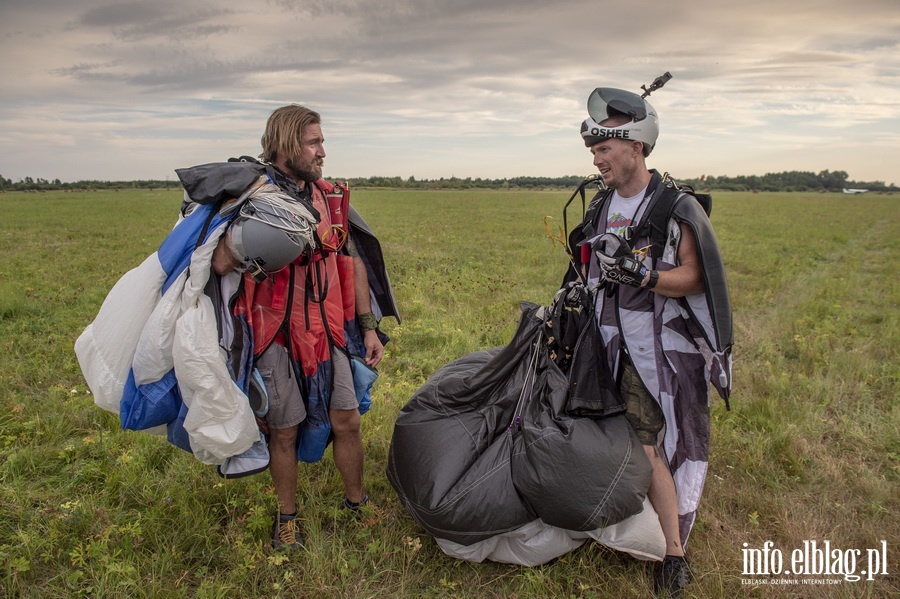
[
  {"x": 271, "y": 230},
  {"x": 605, "y": 102}
]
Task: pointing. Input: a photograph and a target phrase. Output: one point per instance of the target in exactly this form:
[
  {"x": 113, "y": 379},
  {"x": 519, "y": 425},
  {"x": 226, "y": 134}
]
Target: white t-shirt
[{"x": 623, "y": 212}]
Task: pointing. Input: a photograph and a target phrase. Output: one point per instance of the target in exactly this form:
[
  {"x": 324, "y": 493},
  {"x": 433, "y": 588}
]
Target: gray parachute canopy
[{"x": 502, "y": 437}]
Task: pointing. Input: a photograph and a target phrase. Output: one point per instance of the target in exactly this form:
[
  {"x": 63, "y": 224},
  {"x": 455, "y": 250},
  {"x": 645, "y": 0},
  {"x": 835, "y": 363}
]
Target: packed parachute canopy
[{"x": 520, "y": 453}]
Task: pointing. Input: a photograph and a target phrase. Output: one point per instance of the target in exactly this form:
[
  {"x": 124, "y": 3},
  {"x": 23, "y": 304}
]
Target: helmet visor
[{"x": 605, "y": 102}]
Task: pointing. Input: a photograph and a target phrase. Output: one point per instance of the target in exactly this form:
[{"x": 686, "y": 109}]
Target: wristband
[
  {"x": 653, "y": 280},
  {"x": 367, "y": 322}
]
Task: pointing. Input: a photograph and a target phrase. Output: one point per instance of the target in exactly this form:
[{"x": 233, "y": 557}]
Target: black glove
[
  {"x": 624, "y": 270},
  {"x": 617, "y": 262}
]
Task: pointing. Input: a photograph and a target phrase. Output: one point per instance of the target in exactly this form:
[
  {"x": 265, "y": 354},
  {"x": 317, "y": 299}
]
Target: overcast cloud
[{"x": 440, "y": 88}]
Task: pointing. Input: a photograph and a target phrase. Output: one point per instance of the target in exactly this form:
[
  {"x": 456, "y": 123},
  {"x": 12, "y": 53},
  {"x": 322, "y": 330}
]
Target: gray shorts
[
  {"x": 286, "y": 407},
  {"x": 343, "y": 396},
  {"x": 643, "y": 412}
]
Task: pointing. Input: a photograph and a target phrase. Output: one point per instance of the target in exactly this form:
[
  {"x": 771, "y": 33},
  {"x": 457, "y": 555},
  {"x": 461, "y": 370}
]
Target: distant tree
[
  {"x": 830, "y": 181},
  {"x": 833, "y": 181}
]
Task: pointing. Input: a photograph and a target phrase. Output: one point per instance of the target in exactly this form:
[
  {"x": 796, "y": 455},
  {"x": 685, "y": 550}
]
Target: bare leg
[
  {"x": 664, "y": 501},
  {"x": 283, "y": 466},
  {"x": 348, "y": 451}
]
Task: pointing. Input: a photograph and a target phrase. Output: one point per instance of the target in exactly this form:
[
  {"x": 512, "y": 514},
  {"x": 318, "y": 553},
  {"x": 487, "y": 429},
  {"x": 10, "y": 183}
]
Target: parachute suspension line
[
  {"x": 527, "y": 385},
  {"x": 579, "y": 191},
  {"x": 264, "y": 211},
  {"x": 232, "y": 205}
]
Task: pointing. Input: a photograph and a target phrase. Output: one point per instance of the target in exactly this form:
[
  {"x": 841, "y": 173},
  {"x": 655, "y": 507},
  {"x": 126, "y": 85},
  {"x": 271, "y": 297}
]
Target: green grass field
[{"x": 810, "y": 450}]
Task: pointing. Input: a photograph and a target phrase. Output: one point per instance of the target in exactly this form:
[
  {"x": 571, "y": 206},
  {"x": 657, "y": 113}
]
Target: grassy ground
[{"x": 810, "y": 450}]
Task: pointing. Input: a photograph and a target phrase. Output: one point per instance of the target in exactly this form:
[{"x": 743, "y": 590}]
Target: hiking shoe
[
  {"x": 286, "y": 534},
  {"x": 673, "y": 575}
]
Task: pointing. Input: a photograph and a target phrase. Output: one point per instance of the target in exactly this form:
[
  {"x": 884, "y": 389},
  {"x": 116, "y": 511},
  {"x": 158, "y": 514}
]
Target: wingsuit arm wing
[{"x": 370, "y": 253}]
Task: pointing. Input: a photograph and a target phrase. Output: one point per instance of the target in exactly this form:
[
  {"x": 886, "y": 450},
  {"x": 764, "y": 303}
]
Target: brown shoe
[{"x": 286, "y": 535}]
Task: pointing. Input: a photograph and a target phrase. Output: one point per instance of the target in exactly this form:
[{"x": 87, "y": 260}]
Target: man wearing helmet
[
  {"x": 305, "y": 317},
  {"x": 655, "y": 311}
]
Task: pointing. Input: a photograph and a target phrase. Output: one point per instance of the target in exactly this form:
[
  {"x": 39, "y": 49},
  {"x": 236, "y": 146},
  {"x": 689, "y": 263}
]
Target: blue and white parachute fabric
[{"x": 153, "y": 355}]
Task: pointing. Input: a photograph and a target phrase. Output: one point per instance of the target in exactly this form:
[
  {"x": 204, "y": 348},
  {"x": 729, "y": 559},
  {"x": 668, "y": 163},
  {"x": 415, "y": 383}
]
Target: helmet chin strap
[{"x": 256, "y": 270}]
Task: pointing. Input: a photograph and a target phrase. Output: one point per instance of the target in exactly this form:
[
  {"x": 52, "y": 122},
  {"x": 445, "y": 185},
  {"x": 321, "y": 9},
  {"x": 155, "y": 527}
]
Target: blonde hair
[{"x": 284, "y": 129}]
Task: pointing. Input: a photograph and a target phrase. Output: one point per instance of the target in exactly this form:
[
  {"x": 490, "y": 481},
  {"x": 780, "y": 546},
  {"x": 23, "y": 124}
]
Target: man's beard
[{"x": 309, "y": 173}]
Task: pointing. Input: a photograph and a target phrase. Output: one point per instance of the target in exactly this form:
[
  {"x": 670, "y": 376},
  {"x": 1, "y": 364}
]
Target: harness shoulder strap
[
  {"x": 656, "y": 218},
  {"x": 588, "y": 225}
]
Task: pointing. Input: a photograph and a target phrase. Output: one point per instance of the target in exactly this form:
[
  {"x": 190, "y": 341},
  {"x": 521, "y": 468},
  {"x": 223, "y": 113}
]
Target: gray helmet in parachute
[
  {"x": 606, "y": 102},
  {"x": 270, "y": 231}
]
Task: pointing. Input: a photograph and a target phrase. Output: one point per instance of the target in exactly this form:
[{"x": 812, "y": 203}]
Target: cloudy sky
[{"x": 99, "y": 89}]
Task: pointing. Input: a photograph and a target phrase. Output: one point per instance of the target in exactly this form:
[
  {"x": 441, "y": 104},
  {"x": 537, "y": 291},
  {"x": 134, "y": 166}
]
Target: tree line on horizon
[{"x": 824, "y": 181}]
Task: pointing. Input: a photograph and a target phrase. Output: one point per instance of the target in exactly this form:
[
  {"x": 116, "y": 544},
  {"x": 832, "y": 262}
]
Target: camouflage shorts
[{"x": 643, "y": 411}]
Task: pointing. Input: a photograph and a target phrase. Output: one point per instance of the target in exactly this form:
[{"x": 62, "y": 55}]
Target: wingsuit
[
  {"x": 677, "y": 345},
  {"x": 171, "y": 349}
]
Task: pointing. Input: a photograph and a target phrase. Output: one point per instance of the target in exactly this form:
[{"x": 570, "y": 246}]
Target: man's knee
[
  {"x": 345, "y": 422},
  {"x": 283, "y": 438}
]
